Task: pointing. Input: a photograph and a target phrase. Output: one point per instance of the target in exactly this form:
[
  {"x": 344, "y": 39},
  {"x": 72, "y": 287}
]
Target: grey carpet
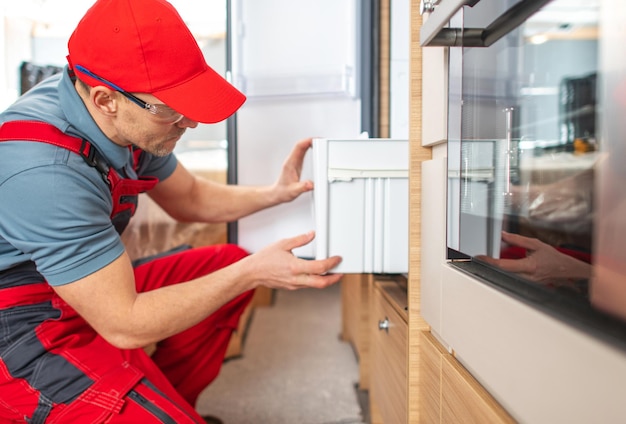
[{"x": 294, "y": 368}]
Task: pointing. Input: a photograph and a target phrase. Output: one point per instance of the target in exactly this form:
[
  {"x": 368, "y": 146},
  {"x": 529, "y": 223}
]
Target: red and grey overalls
[{"x": 54, "y": 368}]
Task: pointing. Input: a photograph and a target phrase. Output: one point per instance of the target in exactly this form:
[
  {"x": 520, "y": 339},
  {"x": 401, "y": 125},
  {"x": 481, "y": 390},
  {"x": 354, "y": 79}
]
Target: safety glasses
[{"x": 161, "y": 112}]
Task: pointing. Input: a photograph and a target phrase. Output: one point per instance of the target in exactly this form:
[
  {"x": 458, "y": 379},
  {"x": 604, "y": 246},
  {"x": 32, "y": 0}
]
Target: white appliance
[
  {"x": 362, "y": 203},
  {"x": 297, "y": 63}
]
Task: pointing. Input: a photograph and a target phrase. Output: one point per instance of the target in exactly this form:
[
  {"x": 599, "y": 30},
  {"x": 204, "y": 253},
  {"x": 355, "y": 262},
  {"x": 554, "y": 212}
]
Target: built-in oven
[{"x": 531, "y": 152}]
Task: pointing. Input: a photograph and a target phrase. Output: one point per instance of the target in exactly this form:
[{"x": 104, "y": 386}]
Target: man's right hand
[{"x": 275, "y": 266}]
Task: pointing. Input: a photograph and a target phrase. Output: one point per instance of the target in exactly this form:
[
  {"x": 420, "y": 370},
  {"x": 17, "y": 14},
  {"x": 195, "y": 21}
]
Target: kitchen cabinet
[
  {"x": 449, "y": 393},
  {"x": 410, "y": 377},
  {"x": 439, "y": 388},
  {"x": 389, "y": 330}
]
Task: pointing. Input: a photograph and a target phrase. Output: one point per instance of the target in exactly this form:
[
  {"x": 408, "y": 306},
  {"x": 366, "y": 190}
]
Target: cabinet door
[
  {"x": 431, "y": 356},
  {"x": 464, "y": 399},
  {"x": 388, "y": 387},
  {"x": 449, "y": 393}
]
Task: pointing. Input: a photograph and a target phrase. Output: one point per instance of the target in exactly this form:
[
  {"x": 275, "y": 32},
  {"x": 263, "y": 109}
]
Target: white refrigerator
[{"x": 297, "y": 62}]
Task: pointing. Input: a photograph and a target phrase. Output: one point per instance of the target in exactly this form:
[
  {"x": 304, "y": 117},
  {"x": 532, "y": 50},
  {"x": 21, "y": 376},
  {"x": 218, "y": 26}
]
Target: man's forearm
[{"x": 107, "y": 300}]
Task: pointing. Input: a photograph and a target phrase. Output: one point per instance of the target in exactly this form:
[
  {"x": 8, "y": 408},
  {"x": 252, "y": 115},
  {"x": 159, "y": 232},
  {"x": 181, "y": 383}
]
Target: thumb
[
  {"x": 298, "y": 241},
  {"x": 304, "y": 186}
]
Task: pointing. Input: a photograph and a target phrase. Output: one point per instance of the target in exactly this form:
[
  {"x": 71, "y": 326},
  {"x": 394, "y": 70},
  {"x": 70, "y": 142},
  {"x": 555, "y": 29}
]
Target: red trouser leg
[
  {"x": 193, "y": 358},
  {"x": 60, "y": 371}
]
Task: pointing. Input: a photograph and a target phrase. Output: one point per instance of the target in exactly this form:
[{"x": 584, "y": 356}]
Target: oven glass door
[{"x": 523, "y": 149}]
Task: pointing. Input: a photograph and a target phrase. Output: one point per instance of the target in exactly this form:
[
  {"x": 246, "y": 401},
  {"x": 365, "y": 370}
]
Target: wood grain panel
[
  {"x": 418, "y": 154},
  {"x": 350, "y": 301},
  {"x": 449, "y": 393},
  {"x": 430, "y": 379},
  {"x": 355, "y": 299},
  {"x": 389, "y": 357},
  {"x": 384, "y": 44},
  {"x": 465, "y": 400}
]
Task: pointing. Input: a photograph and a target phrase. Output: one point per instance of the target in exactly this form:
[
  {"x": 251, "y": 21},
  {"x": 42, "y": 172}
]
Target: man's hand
[
  {"x": 108, "y": 301},
  {"x": 543, "y": 263},
  {"x": 191, "y": 198},
  {"x": 276, "y": 267},
  {"x": 288, "y": 186}
]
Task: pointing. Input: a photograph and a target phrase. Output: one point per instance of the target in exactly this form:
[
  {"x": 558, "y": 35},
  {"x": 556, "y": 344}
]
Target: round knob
[
  {"x": 426, "y": 6},
  {"x": 384, "y": 324}
]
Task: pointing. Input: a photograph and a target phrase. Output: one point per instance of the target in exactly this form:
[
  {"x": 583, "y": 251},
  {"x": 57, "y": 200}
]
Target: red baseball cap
[{"x": 143, "y": 46}]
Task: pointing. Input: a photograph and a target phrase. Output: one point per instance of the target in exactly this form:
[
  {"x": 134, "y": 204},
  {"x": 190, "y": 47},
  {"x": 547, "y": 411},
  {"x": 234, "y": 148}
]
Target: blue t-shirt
[{"x": 54, "y": 208}]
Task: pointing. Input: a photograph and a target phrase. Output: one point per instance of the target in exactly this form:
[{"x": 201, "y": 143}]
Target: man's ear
[{"x": 104, "y": 100}]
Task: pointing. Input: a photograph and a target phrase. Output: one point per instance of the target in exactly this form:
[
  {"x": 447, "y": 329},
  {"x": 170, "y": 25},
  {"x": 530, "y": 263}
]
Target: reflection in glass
[{"x": 523, "y": 145}]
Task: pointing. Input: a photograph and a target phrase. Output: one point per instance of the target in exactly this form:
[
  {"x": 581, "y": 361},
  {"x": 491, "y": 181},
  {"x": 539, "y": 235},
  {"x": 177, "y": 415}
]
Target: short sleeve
[{"x": 58, "y": 215}]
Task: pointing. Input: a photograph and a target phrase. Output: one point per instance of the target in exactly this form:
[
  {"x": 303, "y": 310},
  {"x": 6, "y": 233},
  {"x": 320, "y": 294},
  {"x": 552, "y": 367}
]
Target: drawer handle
[{"x": 384, "y": 325}]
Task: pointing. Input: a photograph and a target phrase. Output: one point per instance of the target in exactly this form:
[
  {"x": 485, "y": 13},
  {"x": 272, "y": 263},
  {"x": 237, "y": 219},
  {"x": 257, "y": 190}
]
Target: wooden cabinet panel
[
  {"x": 388, "y": 389},
  {"x": 350, "y": 307},
  {"x": 449, "y": 393},
  {"x": 431, "y": 356},
  {"x": 355, "y": 299},
  {"x": 464, "y": 399}
]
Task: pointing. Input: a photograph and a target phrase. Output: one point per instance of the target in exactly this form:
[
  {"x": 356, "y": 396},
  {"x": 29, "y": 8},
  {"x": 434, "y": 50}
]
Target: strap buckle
[{"x": 88, "y": 153}]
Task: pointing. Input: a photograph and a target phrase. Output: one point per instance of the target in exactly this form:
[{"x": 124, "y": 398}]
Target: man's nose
[{"x": 187, "y": 123}]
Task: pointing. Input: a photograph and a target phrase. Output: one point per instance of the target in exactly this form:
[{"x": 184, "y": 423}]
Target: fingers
[
  {"x": 321, "y": 281},
  {"x": 487, "y": 259},
  {"x": 299, "y": 151},
  {"x": 510, "y": 265},
  {"x": 521, "y": 241},
  {"x": 315, "y": 273},
  {"x": 304, "y": 144},
  {"x": 289, "y": 185},
  {"x": 321, "y": 266},
  {"x": 281, "y": 269},
  {"x": 297, "y": 241}
]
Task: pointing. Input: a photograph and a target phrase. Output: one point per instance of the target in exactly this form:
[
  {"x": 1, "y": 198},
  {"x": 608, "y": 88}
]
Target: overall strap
[
  {"x": 124, "y": 191},
  {"x": 47, "y": 133}
]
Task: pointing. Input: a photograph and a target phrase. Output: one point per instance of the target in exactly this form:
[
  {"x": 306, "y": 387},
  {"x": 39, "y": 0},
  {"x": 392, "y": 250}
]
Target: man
[{"x": 75, "y": 152}]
